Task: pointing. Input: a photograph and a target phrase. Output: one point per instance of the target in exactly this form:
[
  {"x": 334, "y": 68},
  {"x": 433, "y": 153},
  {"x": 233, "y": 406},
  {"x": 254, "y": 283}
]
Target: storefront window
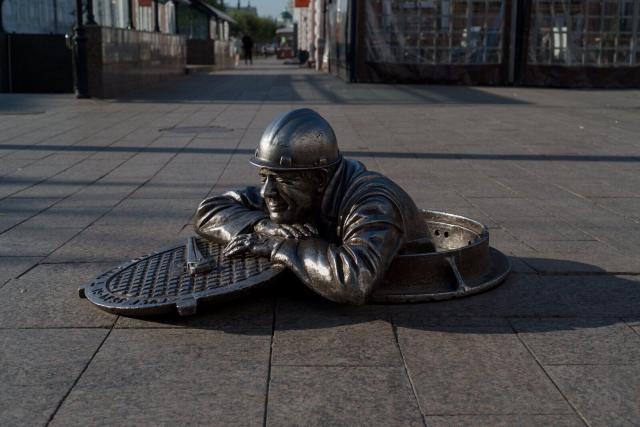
[
  {"x": 434, "y": 31},
  {"x": 599, "y": 33},
  {"x": 144, "y": 16},
  {"x": 192, "y": 23},
  {"x": 38, "y": 16},
  {"x": 111, "y": 13}
]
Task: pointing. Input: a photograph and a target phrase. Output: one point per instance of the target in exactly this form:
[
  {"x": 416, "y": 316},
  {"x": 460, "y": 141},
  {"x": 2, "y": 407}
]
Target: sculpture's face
[{"x": 291, "y": 197}]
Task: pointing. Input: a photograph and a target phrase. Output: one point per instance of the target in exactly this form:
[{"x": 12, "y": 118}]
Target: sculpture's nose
[{"x": 268, "y": 188}]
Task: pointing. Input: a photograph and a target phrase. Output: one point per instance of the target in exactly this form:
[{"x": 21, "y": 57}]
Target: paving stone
[
  {"x": 170, "y": 376},
  {"x": 600, "y": 259},
  {"x": 317, "y": 338},
  {"x": 605, "y": 395},
  {"x": 479, "y": 152},
  {"x": 579, "y": 341},
  {"x": 16, "y": 210},
  {"x": 319, "y": 396},
  {"x": 149, "y": 212},
  {"x": 47, "y": 296},
  {"x": 38, "y": 367},
  {"x": 11, "y": 267},
  {"x": 103, "y": 193},
  {"x": 26, "y": 240},
  {"x": 520, "y": 295},
  {"x": 253, "y": 313},
  {"x": 173, "y": 190},
  {"x": 471, "y": 370},
  {"x": 67, "y": 217},
  {"x": 598, "y": 295},
  {"x": 504, "y": 420},
  {"x": 104, "y": 243}
]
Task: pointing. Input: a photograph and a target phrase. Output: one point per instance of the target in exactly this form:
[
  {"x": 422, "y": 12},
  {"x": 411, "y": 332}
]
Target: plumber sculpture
[{"x": 349, "y": 234}]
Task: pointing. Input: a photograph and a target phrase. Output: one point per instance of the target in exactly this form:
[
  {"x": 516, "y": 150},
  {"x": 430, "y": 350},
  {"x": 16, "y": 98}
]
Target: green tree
[{"x": 261, "y": 30}]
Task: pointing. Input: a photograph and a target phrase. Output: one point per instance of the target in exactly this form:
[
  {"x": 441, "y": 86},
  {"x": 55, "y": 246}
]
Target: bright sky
[{"x": 265, "y": 7}]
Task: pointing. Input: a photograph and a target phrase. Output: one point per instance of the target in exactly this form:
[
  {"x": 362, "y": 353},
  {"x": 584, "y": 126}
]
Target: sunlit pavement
[{"x": 554, "y": 174}]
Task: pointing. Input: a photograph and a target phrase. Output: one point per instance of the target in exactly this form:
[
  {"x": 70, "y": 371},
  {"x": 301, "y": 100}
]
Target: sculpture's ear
[{"x": 323, "y": 179}]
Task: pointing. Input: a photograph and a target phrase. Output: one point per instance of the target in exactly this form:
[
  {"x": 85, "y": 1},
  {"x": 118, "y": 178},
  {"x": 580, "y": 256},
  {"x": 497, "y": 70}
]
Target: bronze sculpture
[
  {"x": 328, "y": 219},
  {"x": 349, "y": 234}
]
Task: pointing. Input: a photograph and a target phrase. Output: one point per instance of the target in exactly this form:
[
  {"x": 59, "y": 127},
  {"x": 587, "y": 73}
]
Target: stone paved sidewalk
[{"x": 555, "y": 174}]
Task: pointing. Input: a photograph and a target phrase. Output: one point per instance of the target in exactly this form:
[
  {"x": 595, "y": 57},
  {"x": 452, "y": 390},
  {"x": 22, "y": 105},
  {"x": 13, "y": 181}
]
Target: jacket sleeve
[
  {"x": 372, "y": 234},
  {"x": 221, "y": 218}
]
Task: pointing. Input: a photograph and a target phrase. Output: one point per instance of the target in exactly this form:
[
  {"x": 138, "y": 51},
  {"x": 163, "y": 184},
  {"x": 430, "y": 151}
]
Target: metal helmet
[{"x": 298, "y": 140}]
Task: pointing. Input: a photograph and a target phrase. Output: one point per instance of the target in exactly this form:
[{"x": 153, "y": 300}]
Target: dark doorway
[{"x": 39, "y": 63}]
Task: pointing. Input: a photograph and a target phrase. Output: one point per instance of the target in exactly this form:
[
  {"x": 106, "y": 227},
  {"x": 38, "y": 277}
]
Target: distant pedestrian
[
  {"x": 236, "y": 47},
  {"x": 247, "y": 46}
]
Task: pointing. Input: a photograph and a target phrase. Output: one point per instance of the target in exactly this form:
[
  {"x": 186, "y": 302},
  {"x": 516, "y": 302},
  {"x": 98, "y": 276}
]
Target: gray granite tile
[
  {"x": 37, "y": 368},
  {"x": 188, "y": 376},
  {"x": 318, "y": 339},
  {"x": 579, "y": 341},
  {"x": 26, "y": 240},
  {"x": 319, "y": 396},
  {"x": 253, "y": 313},
  {"x": 47, "y": 296},
  {"x": 599, "y": 258},
  {"x": 598, "y": 295},
  {"x": 471, "y": 370},
  {"x": 519, "y": 295},
  {"x": 15, "y": 210},
  {"x": 106, "y": 192},
  {"x": 174, "y": 190},
  {"x": 504, "y": 420},
  {"x": 163, "y": 356},
  {"x": 604, "y": 395},
  {"x": 117, "y": 243},
  {"x": 149, "y": 212},
  {"x": 67, "y": 217},
  {"x": 11, "y": 267}
]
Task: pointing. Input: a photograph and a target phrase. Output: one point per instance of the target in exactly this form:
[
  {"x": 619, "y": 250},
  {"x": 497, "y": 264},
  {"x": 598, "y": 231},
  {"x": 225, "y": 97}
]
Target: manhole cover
[
  {"x": 163, "y": 281},
  {"x": 196, "y": 129}
]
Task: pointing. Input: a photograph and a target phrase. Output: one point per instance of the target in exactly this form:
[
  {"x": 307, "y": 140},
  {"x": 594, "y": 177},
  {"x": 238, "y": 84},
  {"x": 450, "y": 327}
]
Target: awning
[{"x": 214, "y": 11}]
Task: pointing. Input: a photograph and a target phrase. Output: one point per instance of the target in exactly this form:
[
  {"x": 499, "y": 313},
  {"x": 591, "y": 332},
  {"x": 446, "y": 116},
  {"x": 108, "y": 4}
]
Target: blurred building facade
[
  {"x": 587, "y": 43},
  {"x": 127, "y": 44},
  {"x": 240, "y": 8}
]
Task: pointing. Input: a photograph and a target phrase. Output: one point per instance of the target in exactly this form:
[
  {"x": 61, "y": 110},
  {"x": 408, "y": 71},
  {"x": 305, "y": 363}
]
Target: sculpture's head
[{"x": 297, "y": 155}]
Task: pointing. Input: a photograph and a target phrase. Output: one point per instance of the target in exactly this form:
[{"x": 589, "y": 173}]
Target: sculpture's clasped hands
[
  {"x": 256, "y": 244},
  {"x": 267, "y": 238},
  {"x": 266, "y": 227}
]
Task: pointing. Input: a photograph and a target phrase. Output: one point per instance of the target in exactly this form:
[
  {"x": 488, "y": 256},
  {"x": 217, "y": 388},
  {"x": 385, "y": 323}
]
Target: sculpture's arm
[
  {"x": 348, "y": 272},
  {"x": 221, "y": 218}
]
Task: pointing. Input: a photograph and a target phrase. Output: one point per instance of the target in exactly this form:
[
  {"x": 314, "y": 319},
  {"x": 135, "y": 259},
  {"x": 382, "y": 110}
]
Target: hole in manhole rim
[{"x": 196, "y": 129}]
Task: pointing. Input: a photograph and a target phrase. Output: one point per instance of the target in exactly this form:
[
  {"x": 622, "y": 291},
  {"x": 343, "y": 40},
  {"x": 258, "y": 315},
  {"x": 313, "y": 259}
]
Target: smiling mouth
[{"x": 276, "y": 206}]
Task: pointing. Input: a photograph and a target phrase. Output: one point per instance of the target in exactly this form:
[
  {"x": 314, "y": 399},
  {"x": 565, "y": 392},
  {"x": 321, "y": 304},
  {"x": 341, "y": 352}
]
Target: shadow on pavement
[
  {"x": 354, "y": 153},
  {"x": 577, "y": 300},
  {"x": 316, "y": 88}
]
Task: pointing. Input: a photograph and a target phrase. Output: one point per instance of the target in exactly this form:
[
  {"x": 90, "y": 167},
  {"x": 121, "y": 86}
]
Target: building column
[
  {"x": 91, "y": 19},
  {"x": 156, "y": 16},
  {"x": 176, "y": 5},
  {"x": 80, "y": 55},
  {"x": 1, "y": 25},
  {"x": 131, "y": 25}
]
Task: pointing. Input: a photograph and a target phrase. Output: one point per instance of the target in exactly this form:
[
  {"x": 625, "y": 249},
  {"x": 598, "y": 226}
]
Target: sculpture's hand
[
  {"x": 258, "y": 245},
  {"x": 266, "y": 227}
]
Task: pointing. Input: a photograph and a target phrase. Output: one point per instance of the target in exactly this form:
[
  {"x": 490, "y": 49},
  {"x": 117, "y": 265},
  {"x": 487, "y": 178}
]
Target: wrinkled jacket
[{"x": 366, "y": 219}]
